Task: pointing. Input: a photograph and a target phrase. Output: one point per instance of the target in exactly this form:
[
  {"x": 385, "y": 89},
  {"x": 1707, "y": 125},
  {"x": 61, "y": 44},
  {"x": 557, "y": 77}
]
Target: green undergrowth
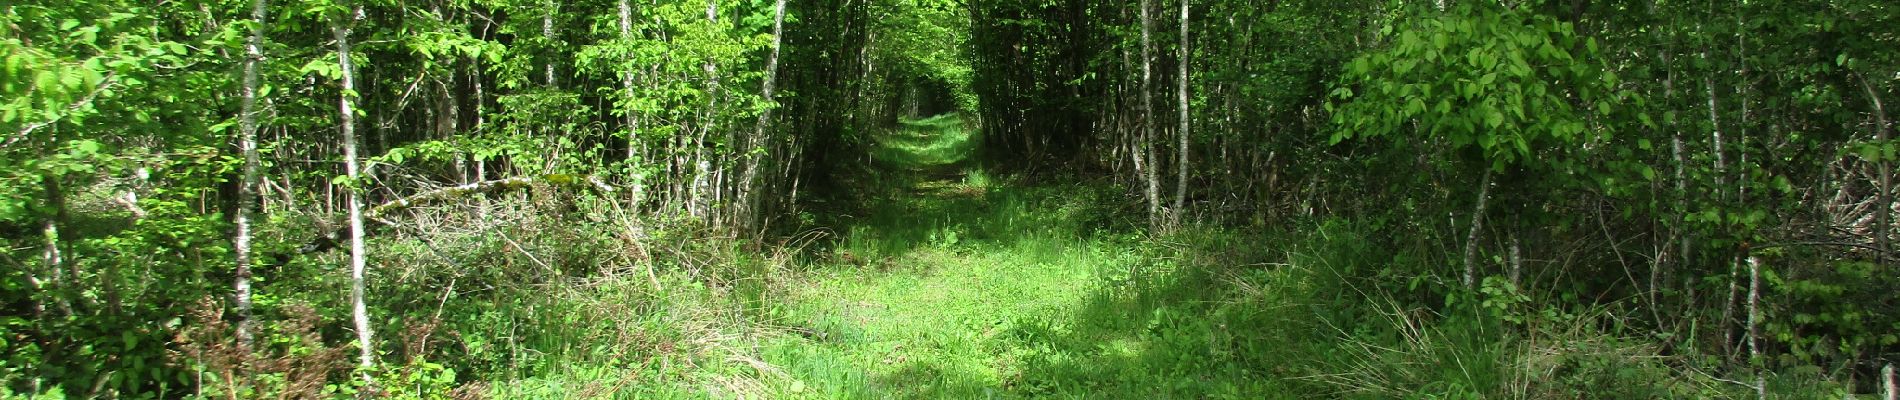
[
  {"x": 940, "y": 288},
  {"x": 948, "y": 282},
  {"x": 1023, "y": 292}
]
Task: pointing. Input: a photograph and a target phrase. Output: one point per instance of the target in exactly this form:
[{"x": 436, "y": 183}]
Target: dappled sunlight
[{"x": 942, "y": 141}]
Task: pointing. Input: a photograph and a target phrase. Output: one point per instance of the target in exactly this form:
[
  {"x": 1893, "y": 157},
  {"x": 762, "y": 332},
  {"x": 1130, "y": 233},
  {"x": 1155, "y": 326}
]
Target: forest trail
[
  {"x": 931, "y": 320},
  {"x": 914, "y": 300},
  {"x": 951, "y": 285}
]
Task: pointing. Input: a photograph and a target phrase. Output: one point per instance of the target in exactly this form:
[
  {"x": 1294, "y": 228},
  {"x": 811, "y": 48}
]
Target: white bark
[
  {"x": 1883, "y": 216},
  {"x": 56, "y": 261},
  {"x": 633, "y": 122},
  {"x": 247, "y": 188},
  {"x": 1517, "y": 262},
  {"x": 1477, "y": 226},
  {"x": 1721, "y": 187},
  {"x": 547, "y": 32},
  {"x": 346, "y": 115},
  {"x": 1181, "y": 92},
  {"x": 1754, "y": 320},
  {"x": 1888, "y": 384},
  {"x": 701, "y": 189},
  {"x": 750, "y": 206},
  {"x": 1147, "y": 113}
]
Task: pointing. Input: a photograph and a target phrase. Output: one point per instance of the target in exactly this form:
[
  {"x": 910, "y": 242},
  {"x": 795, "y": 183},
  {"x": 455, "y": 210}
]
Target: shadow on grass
[
  {"x": 1209, "y": 321},
  {"x": 1118, "y": 317},
  {"x": 1205, "y": 320}
]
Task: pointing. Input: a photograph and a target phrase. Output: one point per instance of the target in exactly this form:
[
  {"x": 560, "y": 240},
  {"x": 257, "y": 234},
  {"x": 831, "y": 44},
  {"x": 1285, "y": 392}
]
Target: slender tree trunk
[
  {"x": 1517, "y": 261},
  {"x": 1181, "y": 93},
  {"x": 1883, "y": 217},
  {"x": 247, "y": 188},
  {"x": 63, "y": 282},
  {"x": 633, "y": 117},
  {"x": 1477, "y": 226},
  {"x": 1888, "y": 384},
  {"x": 747, "y": 183},
  {"x": 1754, "y": 320},
  {"x": 1147, "y": 113},
  {"x": 702, "y": 188},
  {"x": 547, "y": 32},
  {"x": 1682, "y": 181},
  {"x": 1721, "y": 185},
  {"x": 346, "y": 121}
]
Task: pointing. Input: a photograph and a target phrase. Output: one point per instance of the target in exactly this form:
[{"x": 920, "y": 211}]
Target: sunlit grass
[{"x": 938, "y": 141}]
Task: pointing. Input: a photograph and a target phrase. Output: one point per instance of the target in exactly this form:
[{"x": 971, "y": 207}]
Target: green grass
[
  {"x": 959, "y": 284},
  {"x": 922, "y": 144},
  {"x": 944, "y": 281}
]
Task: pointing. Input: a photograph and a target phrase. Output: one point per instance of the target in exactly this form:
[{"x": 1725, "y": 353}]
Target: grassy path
[
  {"x": 933, "y": 321},
  {"x": 949, "y": 285}
]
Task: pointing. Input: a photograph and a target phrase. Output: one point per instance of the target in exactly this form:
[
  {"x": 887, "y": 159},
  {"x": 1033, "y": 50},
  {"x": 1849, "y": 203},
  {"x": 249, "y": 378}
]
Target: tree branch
[
  {"x": 104, "y": 83},
  {"x": 379, "y": 212}
]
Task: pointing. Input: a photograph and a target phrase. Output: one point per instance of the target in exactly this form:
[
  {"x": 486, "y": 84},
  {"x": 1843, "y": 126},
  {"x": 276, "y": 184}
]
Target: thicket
[
  {"x": 1681, "y": 199},
  {"x": 1714, "y": 178}
]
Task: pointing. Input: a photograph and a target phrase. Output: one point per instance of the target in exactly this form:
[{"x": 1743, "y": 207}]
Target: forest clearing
[{"x": 960, "y": 199}]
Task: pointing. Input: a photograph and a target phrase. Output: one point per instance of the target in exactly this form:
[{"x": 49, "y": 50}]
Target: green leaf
[{"x": 68, "y": 24}]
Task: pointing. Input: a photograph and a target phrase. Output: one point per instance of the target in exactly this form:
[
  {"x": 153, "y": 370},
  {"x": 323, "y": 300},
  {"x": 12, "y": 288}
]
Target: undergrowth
[{"x": 941, "y": 280}]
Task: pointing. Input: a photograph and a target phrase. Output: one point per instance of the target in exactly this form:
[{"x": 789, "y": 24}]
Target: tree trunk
[
  {"x": 346, "y": 121},
  {"x": 547, "y": 32},
  {"x": 1181, "y": 93},
  {"x": 1477, "y": 226},
  {"x": 1517, "y": 261},
  {"x": 701, "y": 189},
  {"x": 750, "y": 206},
  {"x": 1754, "y": 320},
  {"x": 1888, "y": 384},
  {"x": 63, "y": 283},
  {"x": 1883, "y": 217},
  {"x": 633, "y": 123},
  {"x": 1682, "y": 181},
  {"x": 247, "y": 188},
  {"x": 1147, "y": 113}
]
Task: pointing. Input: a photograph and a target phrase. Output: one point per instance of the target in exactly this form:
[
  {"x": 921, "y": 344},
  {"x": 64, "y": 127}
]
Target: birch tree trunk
[
  {"x": 1147, "y": 113},
  {"x": 1477, "y": 226},
  {"x": 751, "y": 206},
  {"x": 247, "y": 188},
  {"x": 633, "y": 117},
  {"x": 62, "y": 283},
  {"x": 1888, "y": 385},
  {"x": 1754, "y": 320},
  {"x": 1181, "y": 93},
  {"x": 547, "y": 32},
  {"x": 1721, "y": 184},
  {"x": 346, "y": 121},
  {"x": 697, "y": 205},
  {"x": 1883, "y": 217}
]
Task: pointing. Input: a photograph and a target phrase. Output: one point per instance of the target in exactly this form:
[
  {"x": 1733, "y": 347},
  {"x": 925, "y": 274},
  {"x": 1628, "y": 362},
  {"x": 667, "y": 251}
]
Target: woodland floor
[{"x": 950, "y": 284}]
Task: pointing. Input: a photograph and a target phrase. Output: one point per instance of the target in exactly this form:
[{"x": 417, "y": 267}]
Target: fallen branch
[{"x": 378, "y": 213}]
